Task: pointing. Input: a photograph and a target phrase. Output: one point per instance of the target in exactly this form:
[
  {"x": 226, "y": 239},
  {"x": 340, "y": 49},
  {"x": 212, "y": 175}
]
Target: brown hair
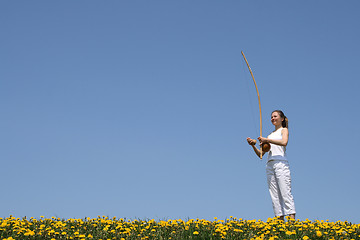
[{"x": 285, "y": 122}]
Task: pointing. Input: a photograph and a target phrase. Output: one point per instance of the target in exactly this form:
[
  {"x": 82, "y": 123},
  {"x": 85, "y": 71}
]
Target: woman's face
[{"x": 276, "y": 120}]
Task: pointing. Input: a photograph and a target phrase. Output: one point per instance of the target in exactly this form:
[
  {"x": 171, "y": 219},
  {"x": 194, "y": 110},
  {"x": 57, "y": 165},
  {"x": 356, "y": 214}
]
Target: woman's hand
[
  {"x": 251, "y": 141},
  {"x": 263, "y": 140}
]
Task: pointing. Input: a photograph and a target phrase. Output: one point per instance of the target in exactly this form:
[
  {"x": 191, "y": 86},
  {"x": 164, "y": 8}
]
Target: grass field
[{"x": 231, "y": 228}]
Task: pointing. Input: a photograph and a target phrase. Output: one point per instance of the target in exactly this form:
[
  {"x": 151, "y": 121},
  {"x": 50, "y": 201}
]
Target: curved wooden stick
[{"x": 257, "y": 90}]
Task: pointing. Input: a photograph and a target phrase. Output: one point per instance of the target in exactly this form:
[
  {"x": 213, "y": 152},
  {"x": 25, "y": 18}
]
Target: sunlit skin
[{"x": 276, "y": 120}]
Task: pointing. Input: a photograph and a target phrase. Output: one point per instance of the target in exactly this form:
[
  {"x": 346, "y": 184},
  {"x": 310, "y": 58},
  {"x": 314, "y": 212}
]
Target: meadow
[{"x": 118, "y": 228}]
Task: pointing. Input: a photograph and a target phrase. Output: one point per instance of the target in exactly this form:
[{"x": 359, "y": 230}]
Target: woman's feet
[{"x": 290, "y": 216}]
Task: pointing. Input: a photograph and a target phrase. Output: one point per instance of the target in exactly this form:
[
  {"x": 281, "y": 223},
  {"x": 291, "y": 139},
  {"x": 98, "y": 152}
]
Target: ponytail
[{"x": 285, "y": 122}]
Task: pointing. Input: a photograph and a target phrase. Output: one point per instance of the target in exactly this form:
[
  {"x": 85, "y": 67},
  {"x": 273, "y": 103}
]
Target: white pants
[{"x": 279, "y": 182}]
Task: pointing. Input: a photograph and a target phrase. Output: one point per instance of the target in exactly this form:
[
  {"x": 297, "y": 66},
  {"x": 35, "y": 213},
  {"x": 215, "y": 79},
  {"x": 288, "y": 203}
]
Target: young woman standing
[{"x": 277, "y": 166}]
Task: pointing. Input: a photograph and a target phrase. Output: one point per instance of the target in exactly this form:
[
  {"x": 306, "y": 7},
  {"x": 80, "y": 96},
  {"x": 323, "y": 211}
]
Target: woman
[{"x": 277, "y": 166}]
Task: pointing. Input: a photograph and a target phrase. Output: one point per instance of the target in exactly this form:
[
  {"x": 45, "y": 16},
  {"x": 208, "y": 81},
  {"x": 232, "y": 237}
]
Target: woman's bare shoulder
[{"x": 285, "y": 130}]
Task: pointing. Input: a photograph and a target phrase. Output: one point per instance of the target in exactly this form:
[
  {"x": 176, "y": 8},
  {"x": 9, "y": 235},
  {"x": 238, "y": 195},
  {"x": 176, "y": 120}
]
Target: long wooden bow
[{"x": 257, "y": 90}]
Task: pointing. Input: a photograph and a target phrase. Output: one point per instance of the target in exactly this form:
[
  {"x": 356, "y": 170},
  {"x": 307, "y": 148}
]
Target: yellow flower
[
  {"x": 305, "y": 238},
  {"x": 29, "y": 233},
  {"x": 318, "y": 233},
  {"x": 196, "y": 233}
]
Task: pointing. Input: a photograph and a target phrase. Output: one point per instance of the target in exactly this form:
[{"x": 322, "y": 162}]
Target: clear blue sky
[{"x": 140, "y": 109}]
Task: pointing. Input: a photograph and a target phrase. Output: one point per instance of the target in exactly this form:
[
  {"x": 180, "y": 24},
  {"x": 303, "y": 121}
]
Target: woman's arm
[
  {"x": 252, "y": 143},
  {"x": 281, "y": 142}
]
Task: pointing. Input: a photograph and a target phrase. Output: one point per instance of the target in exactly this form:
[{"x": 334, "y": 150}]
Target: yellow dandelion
[{"x": 29, "y": 233}]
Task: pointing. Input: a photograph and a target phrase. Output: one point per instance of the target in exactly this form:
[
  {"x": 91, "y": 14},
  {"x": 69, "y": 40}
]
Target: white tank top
[{"x": 276, "y": 152}]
